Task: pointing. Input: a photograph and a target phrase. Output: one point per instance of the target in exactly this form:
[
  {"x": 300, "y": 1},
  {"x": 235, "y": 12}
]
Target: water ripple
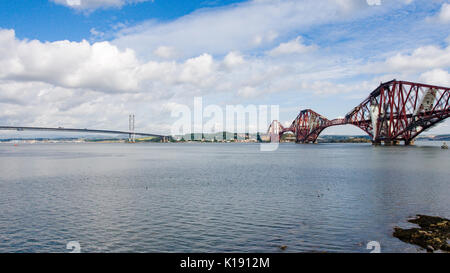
[{"x": 215, "y": 197}]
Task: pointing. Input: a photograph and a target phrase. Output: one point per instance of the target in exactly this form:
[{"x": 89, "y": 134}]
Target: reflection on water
[{"x": 216, "y": 197}]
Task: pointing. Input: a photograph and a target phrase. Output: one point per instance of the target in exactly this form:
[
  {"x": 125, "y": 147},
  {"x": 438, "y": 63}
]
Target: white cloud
[
  {"x": 165, "y": 52},
  {"x": 421, "y": 59},
  {"x": 327, "y": 88},
  {"x": 120, "y": 77},
  {"x": 240, "y": 27},
  {"x": 292, "y": 47},
  {"x": 374, "y": 2},
  {"x": 95, "y": 4},
  {"x": 99, "y": 66},
  {"x": 198, "y": 70},
  {"x": 261, "y": 39},
  {"x": 444, "y": 14},
  {"x": 69, "y": 64},
  {"x": 436, "y": 77},
  {"x": 248, "y": 92},
  {"x": 233, "y": 59},
  {"x": 96, "y": 34}
]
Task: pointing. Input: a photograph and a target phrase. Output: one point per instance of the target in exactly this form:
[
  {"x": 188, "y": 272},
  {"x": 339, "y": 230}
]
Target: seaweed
[{"x": 433, "y": 234}]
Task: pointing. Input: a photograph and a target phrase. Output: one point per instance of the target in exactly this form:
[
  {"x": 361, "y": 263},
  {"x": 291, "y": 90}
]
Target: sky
[{"x": 90, "y": 63}]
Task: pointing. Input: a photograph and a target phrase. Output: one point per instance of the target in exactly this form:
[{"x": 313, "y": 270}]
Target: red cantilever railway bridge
[{"x": 395, "y": 111}]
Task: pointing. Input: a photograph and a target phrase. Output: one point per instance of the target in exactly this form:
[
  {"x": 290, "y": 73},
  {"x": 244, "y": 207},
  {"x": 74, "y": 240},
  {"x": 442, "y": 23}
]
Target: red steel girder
[{"x": 395, "y": 111}]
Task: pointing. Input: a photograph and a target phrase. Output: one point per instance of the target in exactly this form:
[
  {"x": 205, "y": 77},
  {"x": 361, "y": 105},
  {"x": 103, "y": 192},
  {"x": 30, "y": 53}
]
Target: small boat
[{"x": 444, "y": 146}]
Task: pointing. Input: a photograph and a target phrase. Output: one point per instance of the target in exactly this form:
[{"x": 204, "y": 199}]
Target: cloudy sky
[{"x": 90, "y": 63}]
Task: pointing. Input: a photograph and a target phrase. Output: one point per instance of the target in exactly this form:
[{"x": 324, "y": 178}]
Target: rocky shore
[{"x": 433, "y": 234}]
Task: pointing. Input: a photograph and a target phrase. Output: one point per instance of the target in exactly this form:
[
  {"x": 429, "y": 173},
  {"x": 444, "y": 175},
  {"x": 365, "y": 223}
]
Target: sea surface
[{"x": 204, "y": 197}]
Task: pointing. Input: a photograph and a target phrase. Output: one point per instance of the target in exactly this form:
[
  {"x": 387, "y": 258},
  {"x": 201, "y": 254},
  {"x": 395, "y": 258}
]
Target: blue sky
[
  {"x": 89, "y": 63},
  {"x": 49, "y": 21}
]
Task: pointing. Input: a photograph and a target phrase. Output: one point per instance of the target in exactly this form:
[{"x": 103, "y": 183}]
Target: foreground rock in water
[{"x": 432, "y": 234}]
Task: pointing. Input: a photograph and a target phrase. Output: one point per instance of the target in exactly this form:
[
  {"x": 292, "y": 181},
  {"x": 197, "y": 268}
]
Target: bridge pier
[
  {"x": 131, "y": 138},
  {"x": 409, "y": 142},
  {"x": 386, "y": 142},
  {"x": 307, "y": 142}
]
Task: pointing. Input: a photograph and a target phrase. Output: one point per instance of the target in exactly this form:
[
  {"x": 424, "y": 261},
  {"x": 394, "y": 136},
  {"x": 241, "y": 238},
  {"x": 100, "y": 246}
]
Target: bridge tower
[{"x": 132, "y": 135}]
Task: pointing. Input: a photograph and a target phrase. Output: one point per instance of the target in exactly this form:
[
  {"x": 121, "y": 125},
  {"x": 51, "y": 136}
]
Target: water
[{"x": 216, "y": 197}]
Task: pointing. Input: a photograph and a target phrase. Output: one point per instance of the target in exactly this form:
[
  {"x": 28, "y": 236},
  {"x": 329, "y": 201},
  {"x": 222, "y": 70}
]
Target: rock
[{"x": 433, "y": 234}]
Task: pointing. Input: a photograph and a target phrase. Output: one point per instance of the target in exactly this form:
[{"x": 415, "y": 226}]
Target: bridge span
[
  {"x": 76, "y": 130},
  {"x": 395, "y": 111}
]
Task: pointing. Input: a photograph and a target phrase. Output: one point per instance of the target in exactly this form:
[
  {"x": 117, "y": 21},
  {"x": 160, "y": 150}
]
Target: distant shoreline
[
  {"x": 103, "y": 141},
  {"x": 208, "y": 138}
]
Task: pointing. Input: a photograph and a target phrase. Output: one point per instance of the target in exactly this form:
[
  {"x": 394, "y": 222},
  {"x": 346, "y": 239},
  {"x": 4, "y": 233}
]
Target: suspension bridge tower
[{"x": 131, "y": 135}]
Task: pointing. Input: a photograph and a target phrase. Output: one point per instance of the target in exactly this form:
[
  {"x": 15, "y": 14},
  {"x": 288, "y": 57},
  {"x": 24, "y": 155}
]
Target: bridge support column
[
  {"x": 376, "y": 143},
  {"x": 131, "y": 122},
  {"x": 131, "y": 138},
  {"x": 409, "y": 142}
]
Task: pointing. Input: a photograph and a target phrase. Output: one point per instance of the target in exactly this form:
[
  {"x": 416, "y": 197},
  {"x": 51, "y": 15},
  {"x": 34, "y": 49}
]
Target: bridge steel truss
[{"x": 395, "y": 111}]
